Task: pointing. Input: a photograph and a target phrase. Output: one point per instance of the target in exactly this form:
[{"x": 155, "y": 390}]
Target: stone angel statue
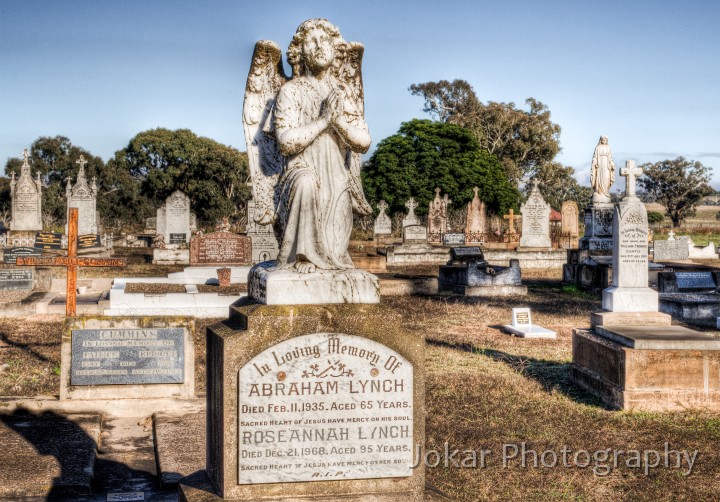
[{"x": 305, "y": 136}]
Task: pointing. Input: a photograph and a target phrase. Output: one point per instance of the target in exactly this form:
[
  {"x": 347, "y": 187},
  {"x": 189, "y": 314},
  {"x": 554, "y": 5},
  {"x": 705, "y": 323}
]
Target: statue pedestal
[
  {"x": 286, "y": 286},
  {"x": 598, "y": 227}
]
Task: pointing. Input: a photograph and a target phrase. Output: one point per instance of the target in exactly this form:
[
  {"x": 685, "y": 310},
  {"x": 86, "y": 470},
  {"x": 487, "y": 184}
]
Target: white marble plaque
[{"x": 325, "y": 406}]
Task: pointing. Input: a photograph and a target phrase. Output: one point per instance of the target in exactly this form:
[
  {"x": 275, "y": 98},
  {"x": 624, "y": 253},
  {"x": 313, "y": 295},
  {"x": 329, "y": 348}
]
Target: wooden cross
[
  {"x": 72, "y": 262},
  {"x": 511, "y": 220},
  {"x": 631, "y": 173}
]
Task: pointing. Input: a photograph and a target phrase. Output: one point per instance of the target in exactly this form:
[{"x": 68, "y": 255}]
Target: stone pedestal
[
  {"x": 286, "y": 286},
  {"x": 634, "y": 361},
  {"x": 480, "y": 279},
  {"x": 598, "y": 227},
  {"x": 276, "y": 372}
]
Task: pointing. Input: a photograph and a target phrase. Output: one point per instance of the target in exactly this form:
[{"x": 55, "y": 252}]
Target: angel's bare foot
[{"x": 304, "y": 267}]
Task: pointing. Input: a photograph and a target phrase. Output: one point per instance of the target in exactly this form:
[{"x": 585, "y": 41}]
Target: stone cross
[
  {"x": 382, "y": 206},
  {"x": 511, "y": 220},
  {"x": 81, "y": 161},
  {"x": 25, "y": 155},
  {"x": 72, "y": 262},
  {"x": 631, "y": 173},
  {"x": 475, "y": 191},
  {"x": 671, "y": 235},
  {"x": 437, "y": 192},
  {"x": 446, "y": 200},
  {"x": 411, "y": 205}
]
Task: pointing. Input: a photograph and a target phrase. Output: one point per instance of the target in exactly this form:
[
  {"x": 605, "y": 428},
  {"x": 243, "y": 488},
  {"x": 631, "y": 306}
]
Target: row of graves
[
  {"x": 26, "y": 237},
  {"x": 533, "y": 244}
]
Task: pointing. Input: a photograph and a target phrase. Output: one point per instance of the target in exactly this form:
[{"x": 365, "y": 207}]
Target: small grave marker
[{"x": 523, "y": 327}]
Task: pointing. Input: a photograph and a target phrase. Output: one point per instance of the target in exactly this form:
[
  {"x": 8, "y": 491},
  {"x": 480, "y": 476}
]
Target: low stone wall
[{"x": 528, "y": 259}]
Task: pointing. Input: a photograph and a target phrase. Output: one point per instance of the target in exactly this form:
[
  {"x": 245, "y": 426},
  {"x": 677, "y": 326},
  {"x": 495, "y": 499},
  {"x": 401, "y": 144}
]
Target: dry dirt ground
[{"x": 490, "y": 391}]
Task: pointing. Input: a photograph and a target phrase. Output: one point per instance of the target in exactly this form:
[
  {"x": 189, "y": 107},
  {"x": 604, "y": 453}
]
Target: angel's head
[{"x": 316, "y": 45}]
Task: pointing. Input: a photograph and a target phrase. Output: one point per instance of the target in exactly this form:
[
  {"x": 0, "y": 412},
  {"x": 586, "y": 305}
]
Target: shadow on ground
[{"x": 553, "y": 376}]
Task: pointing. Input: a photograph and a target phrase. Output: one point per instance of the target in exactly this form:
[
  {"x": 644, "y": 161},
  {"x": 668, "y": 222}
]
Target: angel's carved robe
[{"x": 315, "y": 207}]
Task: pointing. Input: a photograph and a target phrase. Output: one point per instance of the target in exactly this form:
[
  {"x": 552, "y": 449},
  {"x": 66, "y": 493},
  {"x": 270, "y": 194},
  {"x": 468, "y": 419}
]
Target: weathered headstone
[
  {"x": 630, "y": 291},
  {"x": 383, "y": 223},
  {"x": 264, "y": 243},
  {"x": 82, "y": 196},
  {"x": 671, "y": 250},
  {"x": 220, "y": 248},
  {"x": 411, "y": 218},
  {"x": 437, "y": 217},
  {"x": 475, "y": 220},
  {"x": 26, "y": 195},
  {"x": 523, "y": 326},
  {"x": 127, "y": 357},
  {"x": 569, "y": 224},
  {"x": 535, "y": 221},
  {"x": 173, "y": 219},
  {"x": 415, "y": 234},
  {"x": 14, "y": 279}
]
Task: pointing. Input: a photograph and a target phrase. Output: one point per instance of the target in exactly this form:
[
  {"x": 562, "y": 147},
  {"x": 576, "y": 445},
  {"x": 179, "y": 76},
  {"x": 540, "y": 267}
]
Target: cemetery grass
[{"x": 484, "y": 389}]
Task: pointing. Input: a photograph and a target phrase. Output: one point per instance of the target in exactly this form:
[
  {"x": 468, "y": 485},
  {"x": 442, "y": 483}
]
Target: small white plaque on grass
[{"x": 522, "y": 325}]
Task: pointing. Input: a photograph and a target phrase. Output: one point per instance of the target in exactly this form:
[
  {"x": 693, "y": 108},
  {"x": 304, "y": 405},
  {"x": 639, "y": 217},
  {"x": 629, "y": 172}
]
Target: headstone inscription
[
  {"x": 127, "y": 357},
  {"x": 83, "y": 196},
  {"x": 671, "y": 249},
  {"x": 220, "y": 248},
  {"x": 453, "y": 239},
  {"x": 687, "y": 282},
  {"x": 121, "y": 356},
  {"x": 48, "y": 240},
  {"x": 411, "y": 218},
  {"x": 335, "y": 374},
  {"x": 26, "y": 195},
  {"x": 383, "y": 223},
  {"x": 264, "y": 244},
  {"x": 414, "y": 233},
  {"x": 89, "y": 241},
  {"x": 11, "y": 255},
  {"x": 535, "y": 221},
  {"x": 72, "y": 262},
  {"x": 14, "y": 279}
]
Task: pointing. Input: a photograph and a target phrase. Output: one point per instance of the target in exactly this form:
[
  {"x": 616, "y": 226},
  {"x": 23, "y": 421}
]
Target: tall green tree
[
  {"x": 523, "y": 140},
  {"x": 557, "y": 184},
  {"x": 679, "y": 185},
  {"x": 426, "y": 154},
  {"x": 213, "y": 175}
]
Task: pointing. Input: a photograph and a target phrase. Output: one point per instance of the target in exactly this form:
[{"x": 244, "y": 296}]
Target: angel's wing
[
  {"x": 351, "y": 76},
  {"x": 264, "y": 81}
]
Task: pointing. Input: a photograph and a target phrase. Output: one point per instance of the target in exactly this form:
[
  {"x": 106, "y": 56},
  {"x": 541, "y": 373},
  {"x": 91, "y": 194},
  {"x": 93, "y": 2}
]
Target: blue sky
[{"x": 644, "y": 73}]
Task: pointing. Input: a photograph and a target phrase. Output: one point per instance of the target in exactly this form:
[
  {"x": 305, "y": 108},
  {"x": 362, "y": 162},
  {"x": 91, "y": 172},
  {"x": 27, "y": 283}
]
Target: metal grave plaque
[
  {"x": 48, "y": 240},
  {"x": 115, "y": 356},
  {"x": 89, "y": 241},
  {"x": 325, "y": 406},
  {"x": 457, "y": 239},
  {"x": 178, "y": 239}
]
